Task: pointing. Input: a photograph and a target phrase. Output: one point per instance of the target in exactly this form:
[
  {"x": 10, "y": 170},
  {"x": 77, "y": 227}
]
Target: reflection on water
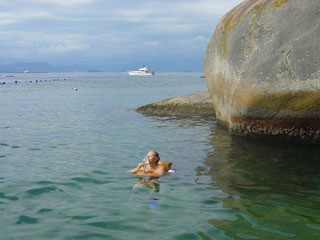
[
  {"x": 152, "y": 184},
  {"x": 149, "y": 183},
  {"x": 272, "y": 187}
]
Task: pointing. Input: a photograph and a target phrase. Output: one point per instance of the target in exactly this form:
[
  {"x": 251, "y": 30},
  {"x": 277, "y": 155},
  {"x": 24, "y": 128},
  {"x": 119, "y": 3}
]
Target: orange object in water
[{"x": 167, "y": 165}]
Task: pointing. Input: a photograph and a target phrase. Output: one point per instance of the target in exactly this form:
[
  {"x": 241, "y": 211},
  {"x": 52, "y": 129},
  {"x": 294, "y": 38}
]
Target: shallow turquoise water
[{"x": 64, "y": 157}]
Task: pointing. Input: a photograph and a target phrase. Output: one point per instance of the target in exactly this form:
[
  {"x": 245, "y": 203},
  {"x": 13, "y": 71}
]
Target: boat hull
[{"x": 134, "y": 73}]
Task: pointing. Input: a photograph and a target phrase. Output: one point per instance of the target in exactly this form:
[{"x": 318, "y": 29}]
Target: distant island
[{"x": 40, "y": 67}]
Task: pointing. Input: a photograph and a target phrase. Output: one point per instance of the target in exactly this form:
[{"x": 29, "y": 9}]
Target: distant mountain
[{"x": 42, "y": 67}]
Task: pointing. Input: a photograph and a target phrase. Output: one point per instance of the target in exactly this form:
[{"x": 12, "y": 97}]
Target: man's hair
[{"x": 156, "y": 153}]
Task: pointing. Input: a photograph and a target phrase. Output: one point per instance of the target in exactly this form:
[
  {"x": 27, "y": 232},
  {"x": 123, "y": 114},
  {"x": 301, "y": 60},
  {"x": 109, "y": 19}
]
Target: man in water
[{"x": 152, "y": 169}]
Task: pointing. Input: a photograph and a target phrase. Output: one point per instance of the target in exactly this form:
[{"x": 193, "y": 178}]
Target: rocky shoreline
[{"x": 199, "y": 104}]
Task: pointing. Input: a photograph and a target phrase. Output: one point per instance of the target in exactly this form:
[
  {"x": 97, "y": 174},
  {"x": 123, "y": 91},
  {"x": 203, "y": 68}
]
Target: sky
[{"x": 110, "y": 35}]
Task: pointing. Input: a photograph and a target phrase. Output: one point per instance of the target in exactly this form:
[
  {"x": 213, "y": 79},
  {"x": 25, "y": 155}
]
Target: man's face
[{"x": 152, "y": 157}]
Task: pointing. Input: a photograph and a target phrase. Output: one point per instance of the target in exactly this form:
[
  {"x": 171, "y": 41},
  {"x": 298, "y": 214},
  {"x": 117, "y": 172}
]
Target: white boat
[
  {"x": 144, "y": 71},
  {"x": 26, "y": 71}
]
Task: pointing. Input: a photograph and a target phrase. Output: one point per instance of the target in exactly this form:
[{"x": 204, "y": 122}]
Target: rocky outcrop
[
  {"x": 262, "y": 68},
  {"x": 199, "y": 104}
]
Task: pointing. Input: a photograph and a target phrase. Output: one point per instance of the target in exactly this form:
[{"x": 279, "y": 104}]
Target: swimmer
[{"x": 153, "y": 168}]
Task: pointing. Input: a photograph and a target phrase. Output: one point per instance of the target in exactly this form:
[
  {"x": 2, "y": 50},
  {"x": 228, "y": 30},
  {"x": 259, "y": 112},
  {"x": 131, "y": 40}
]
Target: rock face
[{"x": 262, "y": 68}]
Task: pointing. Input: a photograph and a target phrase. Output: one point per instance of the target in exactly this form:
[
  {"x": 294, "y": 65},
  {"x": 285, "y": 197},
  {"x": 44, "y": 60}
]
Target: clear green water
[{"x": 64, "y": 157}]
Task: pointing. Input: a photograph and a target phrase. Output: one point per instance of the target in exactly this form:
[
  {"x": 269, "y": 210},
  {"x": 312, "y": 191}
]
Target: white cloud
[
  {"x": 11, "y": 17},
  {"x": 152, "y": 43},
  {"x": 199, "y": 38},
  {"x": 5, "y": 21},
  {"x": 172, "y": 16},
  {"x": 65, "y": 3},
  {"x": 62, "y": 48},
  {"x": 130, "y": 15},
  {"x": 40, "y": 43},
  {"x": 209, "y": 7}
]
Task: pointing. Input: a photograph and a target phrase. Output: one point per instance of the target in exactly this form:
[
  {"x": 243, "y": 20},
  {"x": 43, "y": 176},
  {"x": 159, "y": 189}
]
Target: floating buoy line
[{"x": 35, "y": 81}]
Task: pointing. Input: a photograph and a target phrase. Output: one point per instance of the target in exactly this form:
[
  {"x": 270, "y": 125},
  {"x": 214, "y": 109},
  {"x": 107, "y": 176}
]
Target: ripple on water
[
  {"x": 313, "y": 226},
  {"x": 39, "y": 191},
  {"x": 11, "y": 198},
  {"x": 210, "y": 202},
  {"x": 26, "y": 219},
  {"x": 187, "y": 236},
  {"x": 56, "y": 183},
  {"x": 100, "y": 172},
  {"x": 44, "y": 210},
  {"x": 44, "y": 182},
  {"x": 4, "y": 145},
  {"x": 89, "y": 180},
  {"x": 81, "y": 217},
  {"x": 278, "y": 203},
  {"x": 34, "y": 149},
  {"x": 246, "y": 236},
  {"x": 15, "y": 146},
  {"x": 94, "y": 236},
  {"x": 114, "y": 225}
]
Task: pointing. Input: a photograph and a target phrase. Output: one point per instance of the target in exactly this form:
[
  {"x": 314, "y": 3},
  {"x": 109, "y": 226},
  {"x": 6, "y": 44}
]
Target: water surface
[{"x": 64, "y": 157}]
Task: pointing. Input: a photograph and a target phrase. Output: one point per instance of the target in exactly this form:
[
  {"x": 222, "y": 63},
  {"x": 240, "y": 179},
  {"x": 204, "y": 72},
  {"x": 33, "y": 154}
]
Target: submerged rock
[{"x": 262, "y": 68}]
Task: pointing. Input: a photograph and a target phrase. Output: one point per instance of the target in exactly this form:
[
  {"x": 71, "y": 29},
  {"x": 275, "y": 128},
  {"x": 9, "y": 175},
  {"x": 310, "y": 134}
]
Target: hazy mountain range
[{"x": 43, "y": 67}]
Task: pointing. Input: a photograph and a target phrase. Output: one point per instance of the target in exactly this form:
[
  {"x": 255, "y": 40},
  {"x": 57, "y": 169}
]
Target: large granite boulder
[{"x": 262, "y": 68}]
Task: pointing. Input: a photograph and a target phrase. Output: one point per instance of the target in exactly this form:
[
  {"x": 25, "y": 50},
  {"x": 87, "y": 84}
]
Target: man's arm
[
  {"x": 134, "y": 170},
  {"x": 158, "y": 173}
]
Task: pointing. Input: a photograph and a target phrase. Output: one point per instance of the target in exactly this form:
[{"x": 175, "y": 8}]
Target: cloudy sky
[{"x": 111, "y": 35}]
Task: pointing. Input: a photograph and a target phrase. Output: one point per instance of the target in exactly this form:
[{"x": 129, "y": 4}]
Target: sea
[{"x": 67, "y": 141}]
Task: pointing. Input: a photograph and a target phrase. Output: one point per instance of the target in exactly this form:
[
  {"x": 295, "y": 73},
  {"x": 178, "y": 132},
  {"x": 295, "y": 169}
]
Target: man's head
[{"x": 153, "y": 156}]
